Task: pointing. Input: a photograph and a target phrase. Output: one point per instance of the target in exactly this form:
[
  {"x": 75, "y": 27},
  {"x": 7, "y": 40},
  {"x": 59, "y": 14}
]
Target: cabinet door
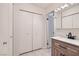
[
  {"x": 58, "y": 20},
  {"x": 67, "y": 22},
  {"x": 72, "y": 50},
  {"x": 5, "y": 29},
  {"x": 59, "y": 52},
  {"x": 38, "y": 33},
  {"x": 23, "y": 32},
  {"x": 56, "y": 52},
  {"x": 76, "y": 21},
  {"x": 71, "y": 53}
]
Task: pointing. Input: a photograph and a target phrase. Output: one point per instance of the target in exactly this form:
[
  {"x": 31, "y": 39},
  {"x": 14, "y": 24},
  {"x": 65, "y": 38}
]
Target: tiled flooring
[{"x": 41, "y": 52}]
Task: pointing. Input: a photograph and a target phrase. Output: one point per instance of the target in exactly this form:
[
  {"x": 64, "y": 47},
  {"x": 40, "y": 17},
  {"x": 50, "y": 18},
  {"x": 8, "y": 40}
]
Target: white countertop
[{"x": 71, "y": 41}]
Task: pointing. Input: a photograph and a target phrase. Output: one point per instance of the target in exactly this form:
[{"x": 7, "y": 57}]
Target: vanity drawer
[
  {"x": 60, "y": 44},
  {"x": 72, "y": 50}
]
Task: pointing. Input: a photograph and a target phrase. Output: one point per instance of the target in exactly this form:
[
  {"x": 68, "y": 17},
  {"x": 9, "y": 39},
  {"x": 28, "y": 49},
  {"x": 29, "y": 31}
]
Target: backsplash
[{"x": 64, "y": 32}]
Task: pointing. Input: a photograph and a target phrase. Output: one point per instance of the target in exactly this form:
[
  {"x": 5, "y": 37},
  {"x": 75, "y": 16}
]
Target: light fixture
[
  {"x": 66, "y": 5},
  {"x": 62, "y": 7},
  {"x": 56, "y": 10}
]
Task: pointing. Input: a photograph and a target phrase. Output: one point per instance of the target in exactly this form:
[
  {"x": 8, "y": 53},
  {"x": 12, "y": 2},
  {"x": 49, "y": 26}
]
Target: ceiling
[{"x": 43, "y": 5}]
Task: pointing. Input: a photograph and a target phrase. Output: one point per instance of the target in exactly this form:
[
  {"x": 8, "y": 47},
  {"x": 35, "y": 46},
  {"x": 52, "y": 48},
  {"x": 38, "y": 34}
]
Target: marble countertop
[{"x": 71, "y": 41}]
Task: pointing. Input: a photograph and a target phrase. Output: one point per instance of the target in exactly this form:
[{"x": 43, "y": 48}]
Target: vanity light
[
  {"x": 62, "y": 7},
  {"x": 56, "y": 10},
  {"x": 66, "y": 5}
]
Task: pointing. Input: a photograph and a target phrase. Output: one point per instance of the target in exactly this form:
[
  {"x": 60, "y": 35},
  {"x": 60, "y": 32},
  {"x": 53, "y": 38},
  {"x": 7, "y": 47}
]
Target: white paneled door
[
  {"x": 5, "y": 29},
  {"x": 38, "y": 31},
  {"x": 28, "y": 31},
  {"x": 23, "y": 32}
]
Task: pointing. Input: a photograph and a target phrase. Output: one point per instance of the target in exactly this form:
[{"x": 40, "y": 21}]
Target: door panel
[
  {"x": 76, "y": 21},
  {"x": 67, "y": 22},
  {"x": 23, "y": 32},
  {"x": 38, "y": 33},
  {"x": 28, "y": 31}
]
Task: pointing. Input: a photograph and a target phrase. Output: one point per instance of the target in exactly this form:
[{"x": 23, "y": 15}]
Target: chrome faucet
[{"x": 70, "y": 36}]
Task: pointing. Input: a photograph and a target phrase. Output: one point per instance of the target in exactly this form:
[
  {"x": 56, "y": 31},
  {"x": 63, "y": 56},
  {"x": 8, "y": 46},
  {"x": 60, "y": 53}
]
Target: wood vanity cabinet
[{"x": 60, "y": 48}]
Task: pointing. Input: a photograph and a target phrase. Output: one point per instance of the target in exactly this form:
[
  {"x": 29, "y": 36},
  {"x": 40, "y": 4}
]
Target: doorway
[{"x": 50, "y": 27}]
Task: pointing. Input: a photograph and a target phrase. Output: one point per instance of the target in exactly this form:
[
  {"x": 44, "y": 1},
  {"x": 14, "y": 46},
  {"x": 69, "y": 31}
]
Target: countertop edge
[{"x": 73, "y": 42}]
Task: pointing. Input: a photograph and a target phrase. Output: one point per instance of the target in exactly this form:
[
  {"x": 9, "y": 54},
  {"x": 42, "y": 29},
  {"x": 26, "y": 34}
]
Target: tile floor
[{"x": 41, "y": 52}]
